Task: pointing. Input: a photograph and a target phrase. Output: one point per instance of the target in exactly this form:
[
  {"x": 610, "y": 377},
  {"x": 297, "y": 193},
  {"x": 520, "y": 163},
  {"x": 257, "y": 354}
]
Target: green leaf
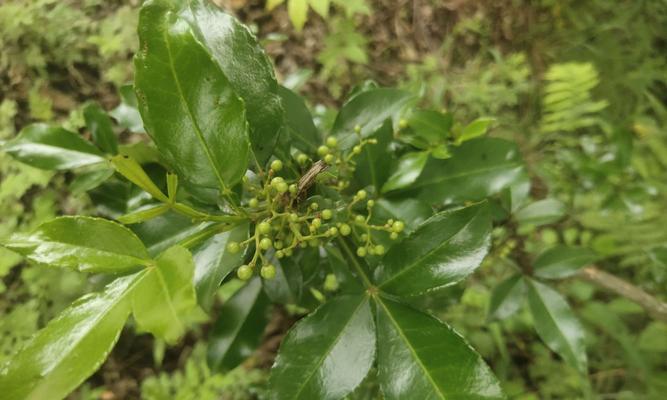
[
  {"x": 409, "y": 168},
  {"x": 127, "y": 113},
  {"x": 652, "y": 339},
  {"x": 83, "y": 243},
  {"x": 213, "y": 262},
  {"x": 427, "y": 128},
  {"x": 143, "y": 214},
  {"x": 420, "y": 357},
  {"x": 169, "y": 229},
  {"x": 507, "y": 297},
  {"x": 562, "y": 261},
  {"x": 90, "y": 180},
  {"x": 556, "y": 324},
  {"x": 165, "y": 295},
  {"x": 239, "y": 328},
  {"x": 298, "y": 13},
  {"x": 48, "y": 147},
  {"x": 475, "y": 129},
  {"x": 188, "y": 105},
  {"x": 134, "y": 173},
  {"x": 99, "y": 125},
  {"x": 373, "y": 165},
  {"x": 443, "y": 250},
  {"x": 477, "y": 169},
  {"x": 250, "y": 72},
  {"x": 299, "y": 121},
  {"x": 327, "y": 354},
  {"x": 369, "y": 109},
  {"x": 271, "y": 4},
  {"x": 541, "y": 212},
  {"x": 71, "y": 347},
  {"x": 286, "y": 287},
  {"x": 321, "y": 7}
]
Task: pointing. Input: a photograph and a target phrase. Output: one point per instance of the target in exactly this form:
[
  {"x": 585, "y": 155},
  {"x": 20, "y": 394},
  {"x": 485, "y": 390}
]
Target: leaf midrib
[
  {"x": 197, "y": 129},
  {"x": 412, "y": 350}
]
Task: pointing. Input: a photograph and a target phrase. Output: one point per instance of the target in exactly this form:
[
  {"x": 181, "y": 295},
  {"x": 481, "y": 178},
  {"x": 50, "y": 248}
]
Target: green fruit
[
  {"x": 253, "y": 203},
  {"x": 332, "y": 141},
  {"x": 379, "y": 249},
  {"x": 361, "y": 252},
  {"x": 302, "y": 159},
  {"x": 268, "y": 271},
  {"x": 329, "y": 159},
  {"x": 345, "y": 229},
  {"x": 244, "y": 272},
  {"x": 264, "y": 228},
  {"x": 322, "y": 151},
  {"x": 398, "y": 226},
  {"x": 361, "y": 194},
  {"x": 280, "y": 254},
  {"x": 316, "y": 223},
  {"x": 278, "y": 244},
  {"x": 314, "y": 206},
  {"x": 281, "y": 187},
  {"x": 403, "y": 123},
  {"x": 393, "y": 236},
  {"x": 265, "y": 244},
  {"x": 330, "y": 283},
  {"x": 360, "y": 219},
  {"x": 233, "y": 247},
  {"x": 371, "y": 203},
  {"x": 357, "y": 128},
  {"x": 293, "y": 188},
  {"x": 277, "y": 165},
  {"x": 293, "y": 217},
  {"x": 333, "y": 231},
  {"x": 356, "y": 149},
  {"x": 327, "y": 214}
]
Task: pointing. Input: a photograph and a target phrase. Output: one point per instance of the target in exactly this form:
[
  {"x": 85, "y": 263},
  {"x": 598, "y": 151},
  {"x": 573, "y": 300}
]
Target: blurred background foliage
[{"x": 580, "y": 85}]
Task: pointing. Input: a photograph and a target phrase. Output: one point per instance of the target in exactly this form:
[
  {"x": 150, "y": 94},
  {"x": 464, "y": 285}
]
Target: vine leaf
[
  {"x": 556, "y": 324},
  {"x": 71, "y": 347},
  {"x": 239, "y": 328},
  {"x": 443, "y": 250},
  {"x": 420, "y": 357},
  {"x": 327, "y": 354},
  {"x": 188, "y": 105},
  {"x": 82, "y": 243}
]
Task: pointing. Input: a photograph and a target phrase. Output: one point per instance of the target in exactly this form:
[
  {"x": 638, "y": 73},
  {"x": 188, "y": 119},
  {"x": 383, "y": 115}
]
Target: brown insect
[{"x": 306, "y": 182}]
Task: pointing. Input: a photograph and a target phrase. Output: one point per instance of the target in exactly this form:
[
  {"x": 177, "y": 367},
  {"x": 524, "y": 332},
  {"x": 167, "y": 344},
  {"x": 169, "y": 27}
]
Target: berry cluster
[{"x": 285, "y": 220}]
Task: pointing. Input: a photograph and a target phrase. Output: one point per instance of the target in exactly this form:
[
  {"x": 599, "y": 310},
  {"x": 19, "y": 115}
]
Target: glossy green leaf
[
  {"x": 411, "y": 211},
  {"x": 239, "y": 328},
  {"x": 127, "y": 113},
  {"x": 165, "y": 295},
  {"x": 420, "y": 357},
  {"x": 556, "y": 324},
  {"x": 303, "y": 132},
  {"x": 239, "y": 55},
  {"x": 475, "y": 129},
  {"x": 134, "y": 173},
  {"x": 99, "y": 125},
  {"x": 541, "y": 212},
  {"x": 562, "y": 261},
  {"x": 213, "y": 262},
  {"x": 347, "y": 282},
  {"x": 188, "y": 105},
  {"x": 507, "y": 297},
  {"x": 443, "y": 250},
  {"x": 321, "y": 7},
  {"x": 298, "y": 13},
  {"x": 477, "y": 169},
  {"x": 369, "y": 109},
  {"x": 90, "y": 180},
  {"x": 327, "y": 354},
  {"x": 286, "y": 287},
  {"x": 143, "y": 214},
  {"x": 71, "y": 347},
  {"x": 83, "y": 243},
  {"x": 427, "y": 128},
  {"x": 409, "y": 168},
  {"x": 169, "y": 229},
  {"x": 48, "y": 147},
  {"x": 373, "y": 165}
]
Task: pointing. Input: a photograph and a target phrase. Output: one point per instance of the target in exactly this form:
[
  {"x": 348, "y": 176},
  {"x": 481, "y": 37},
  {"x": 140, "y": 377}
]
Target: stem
[
  {"x": 355, "y": 263},
  {"x": 654, "y": 306}
]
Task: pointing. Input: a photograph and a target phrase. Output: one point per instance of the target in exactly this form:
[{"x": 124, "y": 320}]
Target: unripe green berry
[
  {"x": 357, "y": 128},
  {"x": 280, "y": 254},
  {"x": 268, "y": 271},
  {"x": 278, "y": 244},
  {"x": 361, "y": 194},
  {"x": 329, "y": 158},
  {"x": 403, "y": 123},
  {"x": 360, "y": 219},
  {"x": 293, "y": 188},
  {"x": 345, "y": 229},
  {"x": 356, "y": 149},
  {"x": 302, "y": 159},
  {"x": 379, "y": 249},
  {"x": 361, "y": 252},
  {"x": 265, "y": 244},
  {"x": 332, "y": 141},
  {"x": 331, "y": 283},
  {"x": 316, "y": 222},
  {"x": 281, "y": 187},
  {"x": 313, "y": 242},
  {"x": 264, "y": 228},
  {"x": 393, "y": 236},
  {"x": 398, "y": 226},
  {"x": 293, "y": 217},
  {"x": 371, "y": 203},
  {"x": 333, "y": 231},
  {"x": 322, "y": 151},
  {"x": 314, "y": 206},
  {"x": 277, "y": 165},
  {"x": 327, "y": 214},
  {"x": 288, "y": 252},
  {"x": 244, "y": 272},
  {"x": 364, "y": 237},
  {"x": 253, "y": 202},
  {"x": 233, "y": 247}
]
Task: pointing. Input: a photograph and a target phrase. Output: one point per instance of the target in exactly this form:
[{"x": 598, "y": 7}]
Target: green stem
[{"x": 355, "y": 263}]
